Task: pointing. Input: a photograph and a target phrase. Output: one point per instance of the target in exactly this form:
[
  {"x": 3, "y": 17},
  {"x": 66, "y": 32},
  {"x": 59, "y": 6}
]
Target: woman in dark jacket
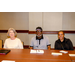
[{"x": 63, "y": 43}]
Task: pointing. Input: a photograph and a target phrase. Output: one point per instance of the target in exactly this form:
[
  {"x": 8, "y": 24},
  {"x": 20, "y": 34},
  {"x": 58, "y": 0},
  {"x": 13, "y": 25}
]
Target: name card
[
  {"x": 56, "y": 53},
  {"x": 71, "y": 54},
  {"x": 36, "y": 51}
]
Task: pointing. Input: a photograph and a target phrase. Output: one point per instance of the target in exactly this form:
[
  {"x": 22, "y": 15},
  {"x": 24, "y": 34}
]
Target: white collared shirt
[{"x": 43, "y": 43}]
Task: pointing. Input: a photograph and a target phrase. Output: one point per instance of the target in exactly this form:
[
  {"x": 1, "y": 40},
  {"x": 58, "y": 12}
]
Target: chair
[
  {"x": 23, "y": 44},
  {"x": 1, "y": 43}
]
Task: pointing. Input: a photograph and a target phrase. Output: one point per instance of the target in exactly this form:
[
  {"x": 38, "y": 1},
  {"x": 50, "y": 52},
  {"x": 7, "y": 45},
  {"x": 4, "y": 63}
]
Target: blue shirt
[{"x": 39, "y": 43}]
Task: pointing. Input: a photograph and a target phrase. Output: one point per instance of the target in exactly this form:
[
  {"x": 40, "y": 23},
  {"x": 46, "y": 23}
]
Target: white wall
[
  {"x": 17, "y": 20},
  {"x": 35, "y": 19},
  {"x": 49, "y": 21},
  {"x": 68, "y": 21},
  {"x": 52, "y": 21}
]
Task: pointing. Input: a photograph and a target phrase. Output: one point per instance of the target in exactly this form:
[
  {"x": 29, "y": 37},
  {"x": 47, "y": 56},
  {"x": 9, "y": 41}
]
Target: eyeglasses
[{"x": 38, "y": 31}]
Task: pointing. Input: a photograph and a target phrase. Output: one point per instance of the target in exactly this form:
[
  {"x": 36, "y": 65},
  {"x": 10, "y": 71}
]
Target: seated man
[
  {"x": 39, "y": 41},
  {"x": 63, "y": 43}
]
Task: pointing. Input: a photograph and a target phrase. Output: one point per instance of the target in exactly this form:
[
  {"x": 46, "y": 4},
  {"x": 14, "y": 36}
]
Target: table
[
  {"x": 24, "y": 55},
  {"x": 72, "y": 57}
]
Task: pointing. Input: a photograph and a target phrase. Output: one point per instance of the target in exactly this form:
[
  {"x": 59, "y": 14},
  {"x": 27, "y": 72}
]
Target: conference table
[{"x": 24, "y": 55}]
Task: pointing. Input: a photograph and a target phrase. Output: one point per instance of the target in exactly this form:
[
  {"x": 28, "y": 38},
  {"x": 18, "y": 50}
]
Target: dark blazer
[{"x": 65, "y": 45}]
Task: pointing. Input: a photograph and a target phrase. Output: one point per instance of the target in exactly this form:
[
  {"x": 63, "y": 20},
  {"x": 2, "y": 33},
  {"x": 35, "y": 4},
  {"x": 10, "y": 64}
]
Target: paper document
[
  {"x": 71, "y": 54},
  {"x": 7, "y": 61},
  {"x": 40, "y": 51},
  {"x": 56, "y": 53},
  {"x": 36, "y": 51},
  {"x": 64, "y": 51},
  {"x": 33, "y": 51}
]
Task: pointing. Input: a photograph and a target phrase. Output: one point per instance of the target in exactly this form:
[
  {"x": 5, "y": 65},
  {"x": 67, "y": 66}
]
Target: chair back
[{"x": 1, "y": 43}]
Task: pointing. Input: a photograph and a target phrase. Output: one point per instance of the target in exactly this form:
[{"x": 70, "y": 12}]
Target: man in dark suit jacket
[{"x": 63, "y": 43}]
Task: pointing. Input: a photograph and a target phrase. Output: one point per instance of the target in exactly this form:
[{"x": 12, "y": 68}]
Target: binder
[{"x": 4, "y": 52}]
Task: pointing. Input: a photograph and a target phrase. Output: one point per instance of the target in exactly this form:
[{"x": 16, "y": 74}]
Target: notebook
[{"x": 4, "y": 52}]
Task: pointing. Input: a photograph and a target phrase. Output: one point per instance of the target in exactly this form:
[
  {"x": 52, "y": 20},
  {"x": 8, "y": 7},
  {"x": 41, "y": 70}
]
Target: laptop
[{"x": 4, "y": 52}]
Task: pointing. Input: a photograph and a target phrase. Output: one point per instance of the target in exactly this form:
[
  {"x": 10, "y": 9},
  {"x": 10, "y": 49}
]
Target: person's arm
[
  {"x": 5, "y": 44},
  {"x": 20, "y": 44},
  {"x": 30, "y": 47},
  {"x": 70, "y": 45},
  {"x": 31, "y": 44},
  {"x": 48, "y": 44},
  {"x": 48, "y": 47},
  {"x": 55, "y": 46}
]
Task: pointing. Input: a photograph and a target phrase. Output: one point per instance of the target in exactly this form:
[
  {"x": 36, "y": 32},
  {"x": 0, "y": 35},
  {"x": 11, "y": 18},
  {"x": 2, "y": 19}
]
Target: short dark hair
[
  {"x": 39, "y": 28},
  {"x": 61, "y": 31}
]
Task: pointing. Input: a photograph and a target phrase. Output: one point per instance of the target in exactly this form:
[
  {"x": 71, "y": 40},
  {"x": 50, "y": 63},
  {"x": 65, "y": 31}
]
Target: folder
[{"x": 4, "y": 52}]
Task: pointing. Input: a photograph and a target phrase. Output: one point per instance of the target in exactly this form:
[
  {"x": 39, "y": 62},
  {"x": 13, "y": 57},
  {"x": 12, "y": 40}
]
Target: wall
[
  {"x": 17, "y": 20},
  {"x": 68, "y": 23},
  {"x": 49, "y": 21},
  {"x": 68, "y": 19},
  {"x": 52, "y": 21},
  {"x": 35, "y": 19}
]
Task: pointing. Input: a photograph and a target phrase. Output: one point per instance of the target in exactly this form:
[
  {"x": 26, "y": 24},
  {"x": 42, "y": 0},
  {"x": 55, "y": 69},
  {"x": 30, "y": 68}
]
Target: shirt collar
[
  {"x": 63, "y": 40},
  {"x": 38, "y": 39}
]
